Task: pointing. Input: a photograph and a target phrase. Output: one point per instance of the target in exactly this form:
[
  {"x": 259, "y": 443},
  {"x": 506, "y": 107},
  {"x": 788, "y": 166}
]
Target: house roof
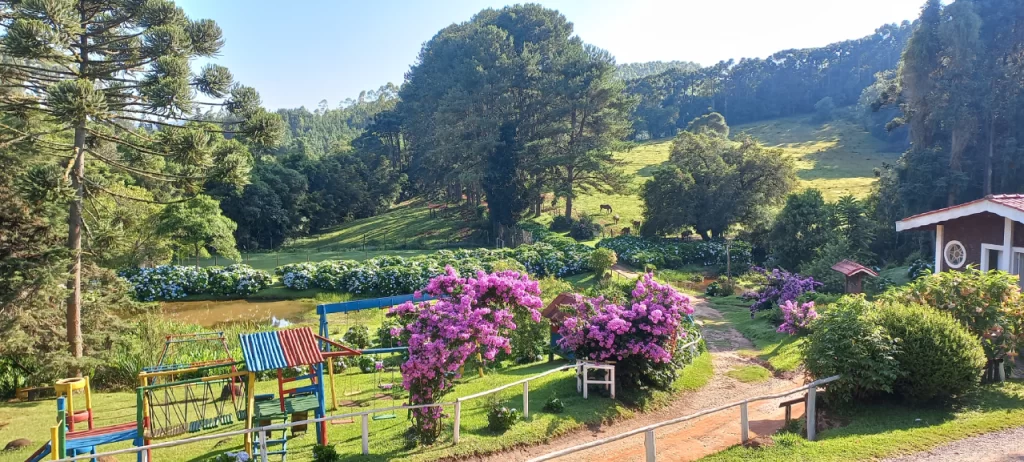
[
  {"x": 1005, "y": 205},
  {"x": 264, "y": 351},
  {"x": 554, "y": 309},
  {"x": 850, "y": 268}
]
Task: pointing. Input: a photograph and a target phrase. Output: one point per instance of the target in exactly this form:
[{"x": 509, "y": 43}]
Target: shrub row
[
  {"x": 172, "y": 282},
  {"x": 393, "y": 275},
  {"x": 675, "y": 253}
]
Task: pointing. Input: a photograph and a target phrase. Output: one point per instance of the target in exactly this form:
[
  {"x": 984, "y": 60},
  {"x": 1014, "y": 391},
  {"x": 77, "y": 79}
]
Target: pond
[{"x": 213, "y": 313}]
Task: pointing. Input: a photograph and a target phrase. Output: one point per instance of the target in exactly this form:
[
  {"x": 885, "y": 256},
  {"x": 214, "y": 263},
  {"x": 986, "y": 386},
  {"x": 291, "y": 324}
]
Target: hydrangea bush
[
  {"x": 171, "y": 282},
  {"x": 394, "y": 275},
  {"x": 782, "y": 286},
  {"x": 472, "y": 315},
  {"x": 796, "y": 317},
  {"x": 638, "y": 335},
  {"x": 676, "y": 253}
]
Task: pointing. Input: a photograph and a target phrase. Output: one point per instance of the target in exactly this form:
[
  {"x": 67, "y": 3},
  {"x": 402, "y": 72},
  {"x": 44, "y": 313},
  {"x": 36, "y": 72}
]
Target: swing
[{"x": 387, "y": 387}]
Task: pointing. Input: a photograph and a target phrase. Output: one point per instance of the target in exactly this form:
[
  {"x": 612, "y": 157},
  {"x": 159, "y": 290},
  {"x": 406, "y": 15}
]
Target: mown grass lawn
[
  {"x": 31, "y": 420},
  {"x": 882, "y": 430},
  {"x": 780, "y": 351}
]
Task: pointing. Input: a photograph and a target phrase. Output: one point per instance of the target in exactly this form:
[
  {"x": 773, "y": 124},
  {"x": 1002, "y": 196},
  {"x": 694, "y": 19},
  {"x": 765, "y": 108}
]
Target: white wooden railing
[{"x": 648, "y": 431}]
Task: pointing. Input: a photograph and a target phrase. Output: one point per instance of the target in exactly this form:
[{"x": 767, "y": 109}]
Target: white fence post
[
  {"x": 366, "y": 434},
  {"x": 744, "y": 423},
  {"x": 812, "y": 395},
  {"x": 263, "y": 445},
  {"x": 458, "y": 421},
  {"x": 586, "y": 383},
  {"x": 526, "y": 399},
  {"x": 611, "y": 373},
  {"x": 651, "y": 451}
]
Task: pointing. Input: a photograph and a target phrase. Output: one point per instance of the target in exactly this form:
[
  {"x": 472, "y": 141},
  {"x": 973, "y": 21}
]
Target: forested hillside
[{"x": 786, "y": 83}]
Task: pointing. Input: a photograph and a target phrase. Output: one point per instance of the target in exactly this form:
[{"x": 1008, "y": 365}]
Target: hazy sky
[{"x": 299, "y": 52}]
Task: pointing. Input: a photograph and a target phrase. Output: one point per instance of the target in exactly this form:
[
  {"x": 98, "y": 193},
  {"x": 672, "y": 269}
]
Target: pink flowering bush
[
  {"x": 796, "y": 317},
  {"x": 637, "y": 335},
  {"x": 470, "y": 316}
]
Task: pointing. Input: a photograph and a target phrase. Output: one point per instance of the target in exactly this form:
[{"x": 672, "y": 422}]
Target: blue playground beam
[
  {"x": 376, "y": 351},
  {"x": 325, "y": 309}
]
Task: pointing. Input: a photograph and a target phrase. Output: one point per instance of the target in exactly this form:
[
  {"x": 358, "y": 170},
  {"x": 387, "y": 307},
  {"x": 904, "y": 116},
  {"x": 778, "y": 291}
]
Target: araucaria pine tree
[{"x": 111, "y": 82}]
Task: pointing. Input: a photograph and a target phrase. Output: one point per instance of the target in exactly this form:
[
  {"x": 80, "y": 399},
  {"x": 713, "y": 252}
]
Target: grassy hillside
[{"x": 837, "y": 157}]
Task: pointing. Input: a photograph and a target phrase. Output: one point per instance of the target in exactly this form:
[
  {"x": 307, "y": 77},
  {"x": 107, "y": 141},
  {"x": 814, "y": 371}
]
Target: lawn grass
[
  {"x": 780, "y": 351},
  {"x": 837, "y": 157},
  {"x": 750, "y": 374},
  {"x": 31, "y": 419},
  {"x": 880, "y": 430}
]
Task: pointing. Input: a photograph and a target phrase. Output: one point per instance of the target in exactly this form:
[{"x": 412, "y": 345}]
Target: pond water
[{"x": 212, "y": 313}]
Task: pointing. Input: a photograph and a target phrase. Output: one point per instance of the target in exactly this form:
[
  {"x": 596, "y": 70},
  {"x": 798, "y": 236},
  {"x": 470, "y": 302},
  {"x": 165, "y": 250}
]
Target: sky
[{"x": 299, "y": 52}]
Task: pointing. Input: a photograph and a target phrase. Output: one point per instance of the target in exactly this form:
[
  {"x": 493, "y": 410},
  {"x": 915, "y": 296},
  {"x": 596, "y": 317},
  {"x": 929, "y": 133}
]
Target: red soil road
[{"x": 697, "y": 438}]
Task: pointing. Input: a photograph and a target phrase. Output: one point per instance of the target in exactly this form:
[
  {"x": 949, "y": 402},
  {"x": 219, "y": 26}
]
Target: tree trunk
[
  {"x": 704, "y": 234},
  {"x": 197, "y": 255},
  {"x": 74, "y": 302},
  {"x": 568, "y": 197}
]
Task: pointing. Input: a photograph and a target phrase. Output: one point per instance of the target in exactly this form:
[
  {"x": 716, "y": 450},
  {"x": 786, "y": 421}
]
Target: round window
[{"x": 955, "y": 254}]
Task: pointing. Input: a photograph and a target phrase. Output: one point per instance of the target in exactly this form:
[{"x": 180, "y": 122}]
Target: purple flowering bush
[
  {"x": 471, "y": 315},
  {"x": 782, "y": 287},
  {"x": 637, "y": 335},
  {"x": 796, "y": 317}
]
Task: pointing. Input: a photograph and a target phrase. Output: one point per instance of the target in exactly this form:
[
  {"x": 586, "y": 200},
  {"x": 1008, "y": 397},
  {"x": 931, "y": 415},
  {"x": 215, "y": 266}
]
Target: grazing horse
[
  {"x": 616, "y": 219},
  {"x": 625, "y": 231},
  {"x": 606, "y": 207},
  {"x": 636, "y": 225}
]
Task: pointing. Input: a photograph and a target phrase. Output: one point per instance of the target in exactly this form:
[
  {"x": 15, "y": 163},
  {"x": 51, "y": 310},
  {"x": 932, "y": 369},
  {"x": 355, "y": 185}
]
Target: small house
[
  {"x": 988, "y": 233},
  {"x": 854, "y": 273}
]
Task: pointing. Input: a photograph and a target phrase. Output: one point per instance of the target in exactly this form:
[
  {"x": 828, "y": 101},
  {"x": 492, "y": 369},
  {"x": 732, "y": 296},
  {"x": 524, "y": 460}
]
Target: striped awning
[{"x": 263, "y": 351}]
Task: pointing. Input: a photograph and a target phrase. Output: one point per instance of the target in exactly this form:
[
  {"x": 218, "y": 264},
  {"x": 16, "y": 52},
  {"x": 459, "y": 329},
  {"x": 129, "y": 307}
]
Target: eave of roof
[{"x": 1006, "y": 205}]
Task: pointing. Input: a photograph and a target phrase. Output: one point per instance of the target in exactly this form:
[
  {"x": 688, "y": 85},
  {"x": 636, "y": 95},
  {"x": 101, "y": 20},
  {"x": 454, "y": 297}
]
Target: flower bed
[
  {"x": 674, "y": 253},
  {"x": 172, "y": 282},
  {"x": 393, "y": 275}
]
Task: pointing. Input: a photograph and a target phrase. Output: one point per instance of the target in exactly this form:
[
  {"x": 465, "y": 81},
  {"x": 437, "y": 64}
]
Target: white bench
[{"x": 583, "y": 381}]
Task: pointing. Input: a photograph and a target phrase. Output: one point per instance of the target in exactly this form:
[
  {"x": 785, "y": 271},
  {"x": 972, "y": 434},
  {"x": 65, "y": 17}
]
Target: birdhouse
[{"x": 854, "y": 273}]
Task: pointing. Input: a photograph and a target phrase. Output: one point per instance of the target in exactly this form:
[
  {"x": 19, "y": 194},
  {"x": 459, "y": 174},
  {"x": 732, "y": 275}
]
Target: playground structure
[
  {"x": 174, "y": 398},
  {"x": 65, "y": 439},
  {"x": 325, "y": 309}
]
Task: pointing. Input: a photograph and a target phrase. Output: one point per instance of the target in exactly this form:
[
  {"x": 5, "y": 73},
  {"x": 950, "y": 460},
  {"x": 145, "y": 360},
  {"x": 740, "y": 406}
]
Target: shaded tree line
[{"x": 786, "y": 83}]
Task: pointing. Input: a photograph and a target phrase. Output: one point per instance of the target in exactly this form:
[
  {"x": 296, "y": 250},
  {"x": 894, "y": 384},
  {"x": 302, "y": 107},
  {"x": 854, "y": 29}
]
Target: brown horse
[
  {"x": 636, "y": 225},
  {"x": 606, "y": 207}
]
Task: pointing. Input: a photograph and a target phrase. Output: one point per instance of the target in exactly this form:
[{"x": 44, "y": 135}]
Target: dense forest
[{"x": 633, "y": 71}]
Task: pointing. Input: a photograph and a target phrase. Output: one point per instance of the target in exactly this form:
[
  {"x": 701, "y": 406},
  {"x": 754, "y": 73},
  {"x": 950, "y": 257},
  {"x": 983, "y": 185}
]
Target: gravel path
[
  {"x": 689, "y": 440},
  {"x": 1004, "y": 446}
]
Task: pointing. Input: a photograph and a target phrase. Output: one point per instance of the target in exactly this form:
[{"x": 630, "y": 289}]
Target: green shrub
[
  {"x": 561, "y": 224},
  {"x": 554, "y": 405},
  {"x": 357, "y": 336},
  {"x": 719, "y": 289},
  {"x": 919, "y": 269},
  {"x": 325, "y": 454},
  {"x": 366, "y": 364},
  {"x": 384, "y": 338},
  {"x": 937, "y": 356},
  {"x": 846, "y": 341},
  {"x": 602, "y": 260},
  {"x": 501, "y": 418},
  {"x": 584, "y": 229},
  {"x": 989, "y": 304}
]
